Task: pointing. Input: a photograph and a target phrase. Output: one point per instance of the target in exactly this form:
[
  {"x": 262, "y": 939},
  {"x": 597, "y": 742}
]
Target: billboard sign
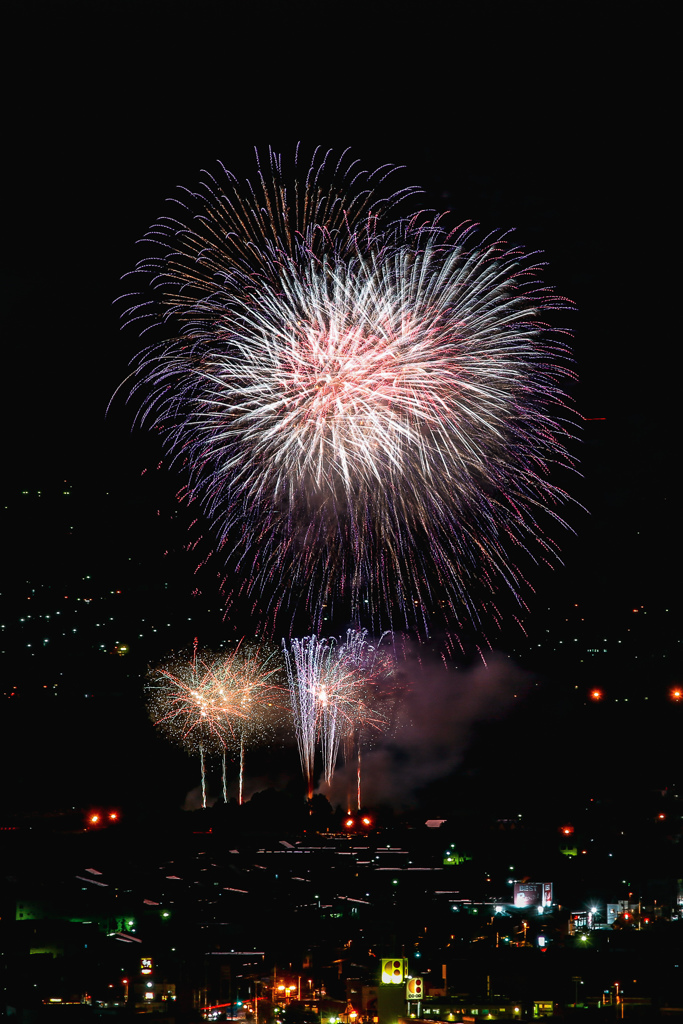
[
  {"x": 533, "y": 894},
  {"x": 394, "y": 971},
  {"x": 414, "y": 989}
]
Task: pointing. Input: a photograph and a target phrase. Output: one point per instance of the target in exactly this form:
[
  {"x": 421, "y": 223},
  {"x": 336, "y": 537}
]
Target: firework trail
[
  {"x": 225, "y": 231},
  {"x": 367, "y": 655},
  {"x": 367, "y": 408}
]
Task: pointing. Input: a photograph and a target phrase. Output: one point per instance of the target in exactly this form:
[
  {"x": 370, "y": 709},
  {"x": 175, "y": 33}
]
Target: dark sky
[
  {"x": 549, "y": 118},
  {"x": 546, "y": 118}
]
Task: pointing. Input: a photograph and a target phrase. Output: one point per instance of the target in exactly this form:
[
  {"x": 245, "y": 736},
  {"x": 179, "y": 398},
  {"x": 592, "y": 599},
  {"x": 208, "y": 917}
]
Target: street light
[
  {"x": 620, "y": 998},
  {"x": 577, "y": 981},
  {"x": 256, "y": 984}
]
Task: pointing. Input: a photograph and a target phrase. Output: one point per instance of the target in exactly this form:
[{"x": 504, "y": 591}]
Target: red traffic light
[{"x": 97, "y": 819}]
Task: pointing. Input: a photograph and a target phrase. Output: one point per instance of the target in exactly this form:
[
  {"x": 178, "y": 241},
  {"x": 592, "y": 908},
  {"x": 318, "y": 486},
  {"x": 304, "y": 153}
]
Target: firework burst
[
  {"x": 209, "y": 703},
  {"x": 189, "y": 703},
  {"x": 330, "y": 689},
  {"x": 374, "y": 663},
  {"x": 251, "y": 676},
  {"x": 367, "y": 409}
]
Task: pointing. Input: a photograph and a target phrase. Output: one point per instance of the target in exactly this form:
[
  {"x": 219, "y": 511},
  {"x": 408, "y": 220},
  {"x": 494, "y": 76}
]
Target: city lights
[{"x": 289, "y": 678}]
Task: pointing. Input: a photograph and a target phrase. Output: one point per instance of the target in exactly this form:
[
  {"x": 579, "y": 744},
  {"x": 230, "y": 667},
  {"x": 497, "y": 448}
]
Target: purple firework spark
[{"x": 367, "y": 409}]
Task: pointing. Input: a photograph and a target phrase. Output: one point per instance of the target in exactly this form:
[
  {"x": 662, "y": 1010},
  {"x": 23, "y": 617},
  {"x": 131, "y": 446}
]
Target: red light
[
  {"x": 94, "y": 818},
  {"x": 596, "y": 695},
  {"x": 349, "y": 823},
  {"x": 113, "y": 816},
  {"x": 367, "y": 821},
  {"x": 676, "y": 693},
  {"x": 661, "y": 817}
]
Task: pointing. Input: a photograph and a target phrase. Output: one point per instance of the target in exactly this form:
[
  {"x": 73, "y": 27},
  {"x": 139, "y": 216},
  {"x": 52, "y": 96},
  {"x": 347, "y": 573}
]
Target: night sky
[{"x": 545, "y": 118}]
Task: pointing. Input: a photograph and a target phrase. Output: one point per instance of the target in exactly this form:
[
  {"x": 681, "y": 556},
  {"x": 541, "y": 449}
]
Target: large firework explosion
[{"x": 367, "y": 409}]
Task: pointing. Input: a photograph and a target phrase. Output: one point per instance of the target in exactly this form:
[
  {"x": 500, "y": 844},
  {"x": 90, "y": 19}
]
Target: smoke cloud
[{"x": 435, "y": 722}]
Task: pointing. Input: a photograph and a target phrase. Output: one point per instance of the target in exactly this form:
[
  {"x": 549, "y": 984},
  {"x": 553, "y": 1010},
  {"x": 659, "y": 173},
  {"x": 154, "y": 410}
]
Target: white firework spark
[
  {"x": 330, "y": 687},
  {"x": 209, "y": 703},
  {"x": 364, "y": 411}
]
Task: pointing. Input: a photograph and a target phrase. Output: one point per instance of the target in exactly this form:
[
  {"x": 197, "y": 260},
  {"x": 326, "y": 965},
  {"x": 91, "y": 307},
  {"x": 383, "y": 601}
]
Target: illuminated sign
[
  {"x": 145, "y": 965},
  {"x": 394, "y": 971},
  {"x": 414, "y": 989},
  {"x": 533, "y": 894}
]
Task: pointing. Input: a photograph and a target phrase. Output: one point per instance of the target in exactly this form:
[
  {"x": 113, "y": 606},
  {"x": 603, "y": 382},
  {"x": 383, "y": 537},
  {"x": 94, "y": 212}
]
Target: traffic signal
[
  {"x": 414, "y": 989},
  {"x": 394, "y": 971}
]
